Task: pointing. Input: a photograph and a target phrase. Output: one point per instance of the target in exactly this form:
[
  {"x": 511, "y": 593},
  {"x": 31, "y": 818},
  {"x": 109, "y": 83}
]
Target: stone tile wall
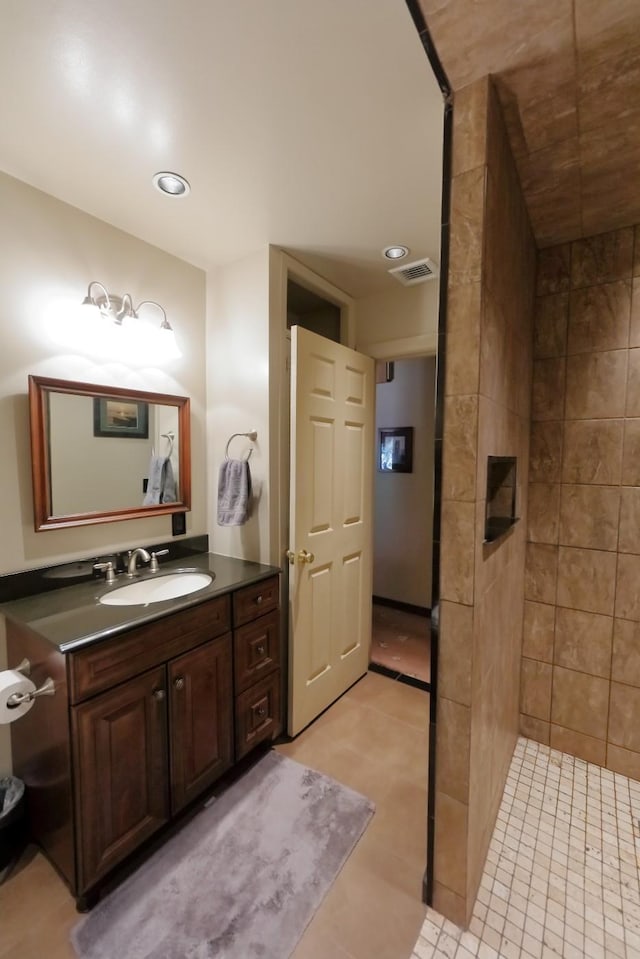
[
  {"x": 487, "y": 412},
  {"x": 581, "y": 641}
]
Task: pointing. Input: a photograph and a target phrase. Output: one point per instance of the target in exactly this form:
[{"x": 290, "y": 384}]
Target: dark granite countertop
[{"x": 72, "y": 617}]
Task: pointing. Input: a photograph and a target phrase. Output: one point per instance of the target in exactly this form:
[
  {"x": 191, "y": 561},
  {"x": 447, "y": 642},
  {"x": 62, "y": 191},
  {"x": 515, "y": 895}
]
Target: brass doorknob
[{"x": 304, "y": 556}]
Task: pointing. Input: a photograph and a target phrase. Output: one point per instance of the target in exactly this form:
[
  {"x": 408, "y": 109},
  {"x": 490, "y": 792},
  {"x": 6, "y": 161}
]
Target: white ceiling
[{"x": 313, "y": 126}]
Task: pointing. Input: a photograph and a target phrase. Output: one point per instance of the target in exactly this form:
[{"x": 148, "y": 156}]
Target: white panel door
[{"x": 330, "y": 548}]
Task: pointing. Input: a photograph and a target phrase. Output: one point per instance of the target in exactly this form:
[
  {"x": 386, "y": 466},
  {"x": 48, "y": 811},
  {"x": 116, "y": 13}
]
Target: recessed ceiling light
[
  {"x": 171, "y": 183},
  {"x": 395, "y": 252}
]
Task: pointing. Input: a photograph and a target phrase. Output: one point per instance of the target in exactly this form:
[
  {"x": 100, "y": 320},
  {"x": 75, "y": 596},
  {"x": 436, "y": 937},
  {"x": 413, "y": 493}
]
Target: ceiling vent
[{"x": 417, "y": 272}]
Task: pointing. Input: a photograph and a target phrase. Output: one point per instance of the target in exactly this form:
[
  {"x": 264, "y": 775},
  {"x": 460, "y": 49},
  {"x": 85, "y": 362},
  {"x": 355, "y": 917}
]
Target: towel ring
[
  {"x": 251, "y": 435},
  {"x": 169, "y": 437}
]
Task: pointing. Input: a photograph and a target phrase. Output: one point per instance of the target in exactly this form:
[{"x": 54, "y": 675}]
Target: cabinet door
[
  {"x": 201, "y": 686},
  {"x": 120, "y": 749}
]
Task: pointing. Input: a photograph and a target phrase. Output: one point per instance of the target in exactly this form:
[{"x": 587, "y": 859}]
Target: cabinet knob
[
  {"x": 262, "y": 711},
  {"x": 260, "y": 649},
  {"x": 259, "y": 600},
  {"x": 178, "y": 683},
  {"x": 158, "y": 695}
]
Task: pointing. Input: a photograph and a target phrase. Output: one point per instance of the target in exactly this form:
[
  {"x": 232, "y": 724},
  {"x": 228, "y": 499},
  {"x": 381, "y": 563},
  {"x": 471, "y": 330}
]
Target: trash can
[{"x": 12, "y": 819}]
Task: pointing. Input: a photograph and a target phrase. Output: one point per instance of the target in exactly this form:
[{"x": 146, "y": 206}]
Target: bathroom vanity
[{"x": 152, "y": 705}]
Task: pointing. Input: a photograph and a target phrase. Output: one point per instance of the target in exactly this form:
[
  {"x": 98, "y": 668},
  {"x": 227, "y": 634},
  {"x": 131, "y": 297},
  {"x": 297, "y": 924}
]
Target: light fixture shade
[
  {"x": 110, "y": 326},
  {"x": 168, "y": 347},
  {"x": 89, "y": 310}
]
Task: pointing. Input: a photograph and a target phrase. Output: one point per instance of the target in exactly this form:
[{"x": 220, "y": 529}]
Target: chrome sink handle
[
  {"x": 155, "y": 566},
  {"x": 110, "y": 574}
]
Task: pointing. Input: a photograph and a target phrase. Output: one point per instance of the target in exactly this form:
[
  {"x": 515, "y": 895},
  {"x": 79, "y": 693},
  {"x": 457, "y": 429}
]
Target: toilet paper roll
[{"x": 11, "y": 681}]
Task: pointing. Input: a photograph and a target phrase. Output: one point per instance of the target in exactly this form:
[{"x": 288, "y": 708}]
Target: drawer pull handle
[
  {"x": 178, "y": 683},
  {"x": 259, "y": 600},
  {"x": 158, "y": 695}
]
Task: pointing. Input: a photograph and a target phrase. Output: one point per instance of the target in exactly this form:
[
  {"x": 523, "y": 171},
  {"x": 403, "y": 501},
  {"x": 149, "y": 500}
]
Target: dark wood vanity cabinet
[
  {"x": 145, "y": 749},
  {"x": 143, "y": 723}
]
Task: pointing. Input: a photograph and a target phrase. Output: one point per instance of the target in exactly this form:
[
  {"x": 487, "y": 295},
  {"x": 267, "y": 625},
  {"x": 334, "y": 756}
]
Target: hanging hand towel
[
  {"x": 168, "y": 491},
  {"x": 234, "y": 493},
  {"x": 154, "y": 483}
]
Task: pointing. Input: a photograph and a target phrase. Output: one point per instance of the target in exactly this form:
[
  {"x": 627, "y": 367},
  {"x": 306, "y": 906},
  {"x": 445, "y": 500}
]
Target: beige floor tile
[
  {"x": 36, "y": 911},
  {"x": 318, "y": 943},
  {"x": 406, "y": 703},
  {"x": 368, "y": 908},
  {"x": 400, "y": 825}
]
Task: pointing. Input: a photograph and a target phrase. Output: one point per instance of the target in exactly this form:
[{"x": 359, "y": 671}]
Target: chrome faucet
[{"x": 133, "y": 560}]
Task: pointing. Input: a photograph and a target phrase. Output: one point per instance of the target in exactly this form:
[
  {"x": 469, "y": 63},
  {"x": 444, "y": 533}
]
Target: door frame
[{"x": 282, "y": 268}]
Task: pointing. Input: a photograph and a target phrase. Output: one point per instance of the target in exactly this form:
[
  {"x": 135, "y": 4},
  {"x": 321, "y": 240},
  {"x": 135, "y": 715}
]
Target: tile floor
[
  {"x": 562, "y": 876},
  {"x": 373, "y": 739},
  {"x": 401, "y": 641}
]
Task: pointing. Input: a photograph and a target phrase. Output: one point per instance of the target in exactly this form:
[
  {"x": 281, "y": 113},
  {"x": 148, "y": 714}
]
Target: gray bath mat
[{"x": 241, "y": 880}]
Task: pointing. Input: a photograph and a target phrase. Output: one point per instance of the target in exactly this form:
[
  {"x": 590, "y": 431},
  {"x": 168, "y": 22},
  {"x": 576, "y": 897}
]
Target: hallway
[{"x": 401, "y": 642}]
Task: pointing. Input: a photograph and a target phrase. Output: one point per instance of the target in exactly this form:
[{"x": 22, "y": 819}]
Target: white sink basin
[{"x": 157, "y": 589}]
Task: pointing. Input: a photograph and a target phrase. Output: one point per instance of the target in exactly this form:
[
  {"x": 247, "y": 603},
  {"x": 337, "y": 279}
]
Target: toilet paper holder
[{"x": 48, "y": 688}]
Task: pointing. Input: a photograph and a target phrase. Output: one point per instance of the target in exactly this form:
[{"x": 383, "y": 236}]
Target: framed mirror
[{"x": 101, "y": 454}]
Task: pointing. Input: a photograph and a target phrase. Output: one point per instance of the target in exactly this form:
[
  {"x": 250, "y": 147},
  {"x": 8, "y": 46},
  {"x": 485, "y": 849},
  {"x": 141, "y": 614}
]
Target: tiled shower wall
[
  {"x": 487, "y": 412},
  {"x": 581, "y": 641}
]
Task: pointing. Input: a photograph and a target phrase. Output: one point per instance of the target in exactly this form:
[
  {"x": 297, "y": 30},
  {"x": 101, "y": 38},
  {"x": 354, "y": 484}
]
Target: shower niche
[{"x": 500, "y": 513}]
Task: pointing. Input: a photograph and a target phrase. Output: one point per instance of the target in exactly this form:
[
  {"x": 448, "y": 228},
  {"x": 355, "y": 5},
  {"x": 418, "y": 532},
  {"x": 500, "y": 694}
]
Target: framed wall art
[{"x": 395, "y": 450}]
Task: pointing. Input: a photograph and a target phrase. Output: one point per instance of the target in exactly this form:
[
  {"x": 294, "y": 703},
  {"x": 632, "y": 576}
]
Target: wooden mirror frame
[{"x": 39, "y": 387}]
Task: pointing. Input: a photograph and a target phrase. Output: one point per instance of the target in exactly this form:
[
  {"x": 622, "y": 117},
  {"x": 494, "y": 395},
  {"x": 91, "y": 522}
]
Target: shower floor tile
[{"x": 562, "y": 873}]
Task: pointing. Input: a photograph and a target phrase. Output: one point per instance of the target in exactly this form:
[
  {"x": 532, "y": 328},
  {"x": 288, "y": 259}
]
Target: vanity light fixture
[
  {"x": 171, "y": 183},
  {"x": 395, "y": 252},
  {"x": 155, "y": 342}
]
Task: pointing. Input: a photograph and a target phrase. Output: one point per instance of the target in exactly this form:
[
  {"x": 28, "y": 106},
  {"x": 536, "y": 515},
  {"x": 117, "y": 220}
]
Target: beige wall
[
  {"x": 403, "y": 502},
  {"x": 581, "y": 642},
  {"x": 487, "y": 409},
  {"x": 49, "y": 252},
  {"x": 239, "y": 375}
]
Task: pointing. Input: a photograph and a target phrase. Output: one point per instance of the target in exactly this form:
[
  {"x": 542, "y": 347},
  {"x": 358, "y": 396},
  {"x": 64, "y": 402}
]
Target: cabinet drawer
[
  {"x": 115, "y": 660},
  {"x": 256, "y": 650},
  {"x": 258, "y": 714},
  {"x": 255, "y": 600}
]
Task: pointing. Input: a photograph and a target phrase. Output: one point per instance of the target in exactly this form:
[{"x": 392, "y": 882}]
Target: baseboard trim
[{"x": 405, "y": 607}]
